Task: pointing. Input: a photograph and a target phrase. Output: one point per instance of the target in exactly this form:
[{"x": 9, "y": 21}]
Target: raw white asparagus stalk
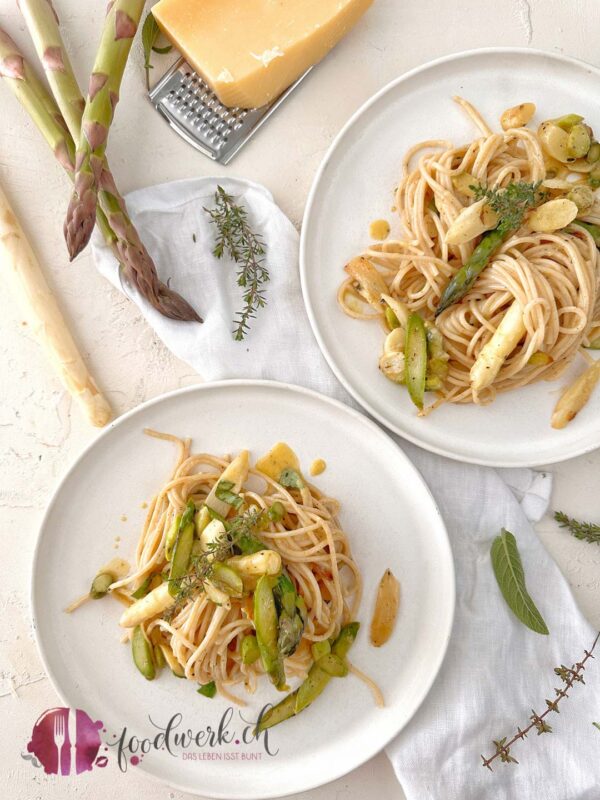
[
  {"x": 43, "y": 316},
  {"x": 493, "y": 354}
]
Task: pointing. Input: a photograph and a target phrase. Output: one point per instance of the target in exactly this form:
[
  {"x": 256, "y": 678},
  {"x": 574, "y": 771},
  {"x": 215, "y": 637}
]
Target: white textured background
[{"x": 38, "y": 436}]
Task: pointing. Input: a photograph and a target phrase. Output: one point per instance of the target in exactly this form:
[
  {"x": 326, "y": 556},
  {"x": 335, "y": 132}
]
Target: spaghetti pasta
[
  {"x": 205, "y": 639},
  {"x": 552, "y": 275}
]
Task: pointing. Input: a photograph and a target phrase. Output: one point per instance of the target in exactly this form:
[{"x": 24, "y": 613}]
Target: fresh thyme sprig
[
  {"x": 201, "y": 565},
  {"x": 585, "y": 531},
  {"x": 511, "y": 203},
  {"x": 569, "y": 676},
  {"x": 236, "y": 239}
]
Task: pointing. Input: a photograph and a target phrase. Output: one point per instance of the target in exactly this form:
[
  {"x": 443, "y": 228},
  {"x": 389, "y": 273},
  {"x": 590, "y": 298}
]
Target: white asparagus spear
[
  {"x": 38, "y": 305},
  {"x": 236, "y": 472},
  {"x": 493, "y": 354},
  {"x": 155, "y": 602},
  {"x": 575, "y": 396}
]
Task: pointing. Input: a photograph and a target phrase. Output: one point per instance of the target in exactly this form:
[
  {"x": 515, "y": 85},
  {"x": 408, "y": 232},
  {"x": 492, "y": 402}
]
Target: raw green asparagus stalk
[
  {"x": 42, "y": 24},
  {"x": 120, "y": 27},
  {"x": 25, "y": 85},
  {"x": 40, "y": 106},
  {"x": 113, "y": 221}
]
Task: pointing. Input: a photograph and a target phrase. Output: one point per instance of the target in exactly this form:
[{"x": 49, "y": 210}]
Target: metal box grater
[{"x": 194, "y": 111}]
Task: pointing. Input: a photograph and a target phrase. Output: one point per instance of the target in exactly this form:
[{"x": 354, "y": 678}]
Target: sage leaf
[
  {"x": 508, "y": 569},
  {"x": 150, "y": 34}
]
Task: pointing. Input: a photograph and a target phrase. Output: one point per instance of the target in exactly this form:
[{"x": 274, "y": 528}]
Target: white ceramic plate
[
  {"x": 388, "y": 513},
  {"x": 354, "y": 186}
]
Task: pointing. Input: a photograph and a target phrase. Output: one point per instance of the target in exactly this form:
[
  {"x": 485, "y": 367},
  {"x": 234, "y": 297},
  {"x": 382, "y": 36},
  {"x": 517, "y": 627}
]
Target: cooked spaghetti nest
[
  {"x": 205, "y": 638},
  {"x": 549, "y": 275}
]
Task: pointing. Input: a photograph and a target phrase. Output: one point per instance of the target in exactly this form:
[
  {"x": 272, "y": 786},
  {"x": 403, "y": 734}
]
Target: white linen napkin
[{"x": 496, "y": 670}]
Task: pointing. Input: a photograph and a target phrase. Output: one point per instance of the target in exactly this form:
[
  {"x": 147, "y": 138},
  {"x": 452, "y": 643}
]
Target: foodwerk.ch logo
[{"x": 67, "y": 741}]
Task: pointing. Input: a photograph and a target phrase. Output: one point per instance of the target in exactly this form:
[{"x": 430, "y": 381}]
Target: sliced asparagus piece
[
  {"x": 466, "y": 276},
  {"x": 279, "y": 713},
  {"x": 208, "y": 689},
  {"x": 416, "y": 359},
  {"x": 494, "y": 353},
  {"x": 291, "y": 623},
  {"x": 101, "y": 585},
  {"x": 313, "y": 686},
  {"x": 141, "y": 650},
  {"x": 266, "y": 624},
  {"x": 249, "y": 649},
  {"x": 333, "y": 665},
  {"x": 181, "y": 556},
  {"x": 155, "y": 602},
  {"x": 593, "y": 230}
]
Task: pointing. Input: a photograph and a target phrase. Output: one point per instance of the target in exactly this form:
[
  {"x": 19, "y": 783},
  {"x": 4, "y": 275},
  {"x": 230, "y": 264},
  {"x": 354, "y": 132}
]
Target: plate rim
[
  {"x": 462, "y": 55},
  {"x": 361, "y": 418}
]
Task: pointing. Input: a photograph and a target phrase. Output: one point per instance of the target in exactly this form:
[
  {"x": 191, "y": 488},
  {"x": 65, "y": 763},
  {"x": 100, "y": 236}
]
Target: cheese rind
[{"x": 250, "y": 51}]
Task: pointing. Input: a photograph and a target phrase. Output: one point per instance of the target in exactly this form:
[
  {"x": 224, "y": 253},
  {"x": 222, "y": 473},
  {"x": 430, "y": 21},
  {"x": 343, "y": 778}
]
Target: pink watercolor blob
[{"x": 52, "y": 745}]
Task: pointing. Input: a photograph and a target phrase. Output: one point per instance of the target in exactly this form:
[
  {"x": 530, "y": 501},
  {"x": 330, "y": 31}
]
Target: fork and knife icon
[{"x": 66, "y": 735}]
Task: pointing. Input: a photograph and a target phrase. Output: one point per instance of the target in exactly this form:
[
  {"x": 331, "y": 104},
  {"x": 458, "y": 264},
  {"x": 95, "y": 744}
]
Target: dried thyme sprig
[
  {"x": 236, "y": 239},
  {"x": 585, "y": 531},
  {"x": 569, "y": 676}
]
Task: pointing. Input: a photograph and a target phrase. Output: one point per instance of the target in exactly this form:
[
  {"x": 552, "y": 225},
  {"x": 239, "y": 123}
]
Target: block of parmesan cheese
[{"x": 249, "y": 51}]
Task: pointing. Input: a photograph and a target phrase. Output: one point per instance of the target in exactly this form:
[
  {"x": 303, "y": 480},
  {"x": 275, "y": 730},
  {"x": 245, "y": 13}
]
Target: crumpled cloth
[{"x": 496, "y": 670}]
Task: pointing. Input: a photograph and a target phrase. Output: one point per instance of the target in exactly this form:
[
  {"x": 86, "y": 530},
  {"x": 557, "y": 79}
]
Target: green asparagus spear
[
  {"x": 316, "y": 681},
  {"x": 141, "y": 650},
  {"x": 279, "y": 713},
  {"x": 142, "y": 589},
  {"x": 248, "y": 544},
  {"x": 226, "y": 579},
  {"x": 159, "y": 658},
  {"x": 593, "y": 230},
  {"x": 510, "y": 204},
  {"x": 208, "y": 689},
  {"x": 182, "y": 548},
  {"x": 333, "y": 665},
  {"x": 466, "y": 276},
  {"x": 266, "y": 624},
  {"x": 250, "y": 650},
  {"x": 277, "y": 512},
  {"x": 286, "y": 594},
  {"x": 55, "y": 126},
  {"x": 101, "y": 585},
  {"x": 291, "y": 622},
  {"x": 171, "y": 537},
  {"x": 119, "y": 29},
  {"x": 320, "y": 649},
  {"x": 416, "y": 359},
  {"x": 34, "y": 98}
]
